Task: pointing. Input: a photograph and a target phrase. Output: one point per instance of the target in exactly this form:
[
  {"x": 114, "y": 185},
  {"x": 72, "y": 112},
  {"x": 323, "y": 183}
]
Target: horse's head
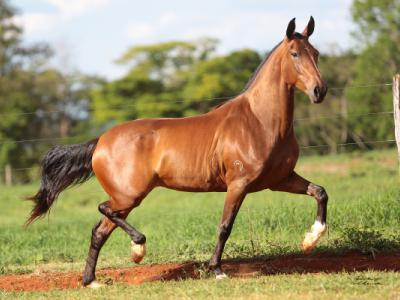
[{"x": 300, "y": 67}]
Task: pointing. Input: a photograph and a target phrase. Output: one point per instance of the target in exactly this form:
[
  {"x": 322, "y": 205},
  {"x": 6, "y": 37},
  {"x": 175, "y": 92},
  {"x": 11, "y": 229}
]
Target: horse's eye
[{"x": 294, "y": 54}]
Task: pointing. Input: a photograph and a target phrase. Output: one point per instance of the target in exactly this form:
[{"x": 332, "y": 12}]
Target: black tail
[{"x": 61, "y": 167}]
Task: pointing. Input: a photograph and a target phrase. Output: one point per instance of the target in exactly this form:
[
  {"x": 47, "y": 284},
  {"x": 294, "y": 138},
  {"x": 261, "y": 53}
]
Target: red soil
[{"x": 326, "y": 263}]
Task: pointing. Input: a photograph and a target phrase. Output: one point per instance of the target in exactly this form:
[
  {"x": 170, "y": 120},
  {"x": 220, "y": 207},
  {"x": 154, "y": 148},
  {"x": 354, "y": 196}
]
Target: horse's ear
[
  {"x": 291, "y": 28},
  {"x": 308, "y": 31}
]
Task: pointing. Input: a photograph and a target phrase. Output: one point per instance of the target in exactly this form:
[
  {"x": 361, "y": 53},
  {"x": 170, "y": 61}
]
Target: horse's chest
[{"x": 278, "y": 165}]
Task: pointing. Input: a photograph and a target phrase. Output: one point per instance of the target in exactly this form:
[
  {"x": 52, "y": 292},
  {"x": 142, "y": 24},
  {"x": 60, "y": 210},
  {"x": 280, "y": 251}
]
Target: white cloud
[
  {"x": 256, "y": 24},
  {"x": 141, "y": 31},
  {"x": 34, "y": 22},
  {"x": 65, "y": 10},
  {"x": 230, "y": 29},
  {"x": 72, "y": 8},
  {"x": 168, "y": 18},
  {"x": 255, "y": 29}
]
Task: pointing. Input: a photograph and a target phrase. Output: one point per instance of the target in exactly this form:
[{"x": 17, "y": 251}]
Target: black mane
[
  {"x": 253, "y": 77},
  {"x": 296, "y": 35}
]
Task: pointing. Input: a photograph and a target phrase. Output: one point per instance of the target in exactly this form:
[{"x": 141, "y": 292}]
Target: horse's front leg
[
  {"x": 234, "y": 198},
  {"x": 297, "y": 184}
]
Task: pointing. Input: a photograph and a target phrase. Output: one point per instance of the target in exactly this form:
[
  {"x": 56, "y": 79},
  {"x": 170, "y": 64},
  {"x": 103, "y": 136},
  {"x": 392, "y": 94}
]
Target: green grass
[{"x": 363, "y": 213}]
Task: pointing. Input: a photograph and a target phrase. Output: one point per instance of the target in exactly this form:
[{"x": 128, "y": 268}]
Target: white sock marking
[
  {"x": 221, "y": 276},
  {"x": 311, "y": 238},
  {"x": 95, "y": 285}
]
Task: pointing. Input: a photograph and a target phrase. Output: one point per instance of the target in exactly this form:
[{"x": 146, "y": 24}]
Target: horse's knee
[
  {"x": 103, "y": 207},
  {"x": 138, "y": 238},
  {"x": 322, "y": 196},
  {"x": 319, "y": 193}
]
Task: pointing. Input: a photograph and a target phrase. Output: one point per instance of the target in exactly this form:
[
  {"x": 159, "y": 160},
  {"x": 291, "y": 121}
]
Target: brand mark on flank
[{"x": 239, "y": 164}]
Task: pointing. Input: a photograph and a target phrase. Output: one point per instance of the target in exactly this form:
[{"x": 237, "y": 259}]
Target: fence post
[
  {"x": 396, "y": 110},
  {"x": 8, "y": 175}
]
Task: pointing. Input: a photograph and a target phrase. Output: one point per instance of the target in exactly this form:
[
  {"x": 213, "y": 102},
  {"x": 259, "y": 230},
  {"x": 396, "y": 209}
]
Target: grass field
[{"x": 363, "y": 214}]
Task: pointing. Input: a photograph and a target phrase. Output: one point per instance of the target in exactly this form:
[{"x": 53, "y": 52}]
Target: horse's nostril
[{"x": 317, "y": 91}]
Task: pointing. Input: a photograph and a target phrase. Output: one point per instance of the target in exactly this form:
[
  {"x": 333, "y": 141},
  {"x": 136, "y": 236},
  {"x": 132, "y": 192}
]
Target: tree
[
  {"x": 153, "y": 85},
  {"x": 218, "y": 77},
  {"x": 378, "y": 36},
  {"x": 39, "y": 106},
  {"x": 14, "y": 82}
]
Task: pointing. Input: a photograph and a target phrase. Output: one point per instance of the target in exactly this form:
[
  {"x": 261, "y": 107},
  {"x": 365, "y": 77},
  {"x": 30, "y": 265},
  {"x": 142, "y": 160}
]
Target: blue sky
[{"x": 90, "y": 34}]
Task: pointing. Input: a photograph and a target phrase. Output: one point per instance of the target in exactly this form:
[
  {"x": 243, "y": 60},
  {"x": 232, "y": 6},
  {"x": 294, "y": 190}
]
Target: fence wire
[
  {"x": 313, "y": 118},
  {"x": 301, "y": 147},
  {"x": 56, "y": 111}
]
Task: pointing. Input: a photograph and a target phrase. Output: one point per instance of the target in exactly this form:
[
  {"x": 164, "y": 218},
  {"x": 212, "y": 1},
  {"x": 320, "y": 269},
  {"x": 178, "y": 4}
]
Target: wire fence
[
  {"x": 349, "y": 144},
  {"x": 372, "y": 85},
  {"x": 389, "y": 141},
  {"x": 113, "y": 107},
  {"x": 319, "y": 117},
  {"x": 304, "y": 119}
]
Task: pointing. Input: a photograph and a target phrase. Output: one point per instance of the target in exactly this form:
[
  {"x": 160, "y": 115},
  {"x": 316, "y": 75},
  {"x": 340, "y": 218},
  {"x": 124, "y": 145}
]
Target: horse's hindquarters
[{"x": 122, "y": 163}]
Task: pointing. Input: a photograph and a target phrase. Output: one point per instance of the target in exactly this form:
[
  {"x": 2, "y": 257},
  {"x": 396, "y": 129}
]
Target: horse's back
[{"x": 175, "y": 153}]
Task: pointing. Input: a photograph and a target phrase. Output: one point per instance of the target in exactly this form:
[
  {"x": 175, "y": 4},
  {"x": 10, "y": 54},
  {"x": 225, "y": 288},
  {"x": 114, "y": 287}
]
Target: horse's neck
[{"x": 271, "y": 99}]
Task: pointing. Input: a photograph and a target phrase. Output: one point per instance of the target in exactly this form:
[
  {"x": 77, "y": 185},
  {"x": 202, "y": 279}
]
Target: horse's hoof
[
  {"x": 95, "y": 285},
  {"x": 309, "y": 243},
  {"x": 221, "y": 276},
  {"x": 311, "y": 238},
  {"x": 138, "y": 251}
]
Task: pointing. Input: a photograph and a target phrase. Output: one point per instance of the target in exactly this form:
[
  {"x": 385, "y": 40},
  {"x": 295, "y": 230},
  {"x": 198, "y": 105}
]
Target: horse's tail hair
[{"x": 62, "y": 166}]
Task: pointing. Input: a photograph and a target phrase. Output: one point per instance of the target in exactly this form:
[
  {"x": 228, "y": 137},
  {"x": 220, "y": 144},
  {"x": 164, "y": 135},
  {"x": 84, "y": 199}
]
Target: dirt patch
[{"x": 326, "y": 263}]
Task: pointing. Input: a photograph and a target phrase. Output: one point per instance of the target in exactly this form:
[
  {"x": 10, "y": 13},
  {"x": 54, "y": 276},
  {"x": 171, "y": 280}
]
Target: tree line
[{"x": 42, "y": 106}]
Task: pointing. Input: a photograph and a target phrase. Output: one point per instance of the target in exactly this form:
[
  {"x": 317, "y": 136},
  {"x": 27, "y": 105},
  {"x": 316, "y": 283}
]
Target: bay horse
[{"x": 246, "y": 145}]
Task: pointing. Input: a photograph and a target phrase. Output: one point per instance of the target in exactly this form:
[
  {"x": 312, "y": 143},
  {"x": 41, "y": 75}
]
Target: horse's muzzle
[{"x": 319, "y": 93}]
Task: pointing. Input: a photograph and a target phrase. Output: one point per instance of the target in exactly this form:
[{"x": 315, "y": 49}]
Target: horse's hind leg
[
  {"x": 118, "y": 218},
  {"x": 101, "y": 231},
  {"x": 297, "y": 184}
]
